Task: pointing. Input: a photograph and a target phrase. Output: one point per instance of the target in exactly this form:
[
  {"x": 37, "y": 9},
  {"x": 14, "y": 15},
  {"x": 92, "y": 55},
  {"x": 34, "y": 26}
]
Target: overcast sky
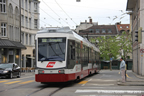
[{"x": 70, "y": 13}]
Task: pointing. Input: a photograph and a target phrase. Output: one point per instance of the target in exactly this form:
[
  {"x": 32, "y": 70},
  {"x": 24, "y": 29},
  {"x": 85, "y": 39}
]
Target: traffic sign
[{"x": 141, "y": 50}]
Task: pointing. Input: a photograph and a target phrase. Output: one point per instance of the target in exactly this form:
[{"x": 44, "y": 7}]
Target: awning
[{"x": 4, "y": 43}]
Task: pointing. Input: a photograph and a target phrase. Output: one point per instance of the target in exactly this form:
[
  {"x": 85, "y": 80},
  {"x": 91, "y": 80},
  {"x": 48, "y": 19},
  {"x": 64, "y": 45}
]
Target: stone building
[
  {"x": 136, "y": 10},
  {"x": 19, "y": 22},
  {"x": 10, "y": 43},
  {"x": 29, "y": 27}
]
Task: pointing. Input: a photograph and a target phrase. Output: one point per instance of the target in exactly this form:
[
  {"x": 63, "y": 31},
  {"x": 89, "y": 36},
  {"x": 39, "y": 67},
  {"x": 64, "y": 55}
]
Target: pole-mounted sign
[{"x": 141, "y": 50}]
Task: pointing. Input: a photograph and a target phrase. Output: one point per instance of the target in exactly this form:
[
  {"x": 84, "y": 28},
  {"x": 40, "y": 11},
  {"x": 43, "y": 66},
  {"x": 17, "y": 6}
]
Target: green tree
[
  {"x": 125, "y": 44},
  {"x": 108, "y": 46}
]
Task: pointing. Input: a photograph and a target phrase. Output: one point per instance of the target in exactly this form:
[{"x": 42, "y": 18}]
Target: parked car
[{"x": 10, "y": 70}]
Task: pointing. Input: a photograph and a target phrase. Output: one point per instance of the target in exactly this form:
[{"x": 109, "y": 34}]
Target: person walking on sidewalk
[{"x": 122, "y": 69}]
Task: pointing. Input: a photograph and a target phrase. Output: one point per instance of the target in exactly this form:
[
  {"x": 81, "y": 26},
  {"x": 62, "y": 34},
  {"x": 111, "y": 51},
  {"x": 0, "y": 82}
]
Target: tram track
[
  {"x": 58, "y": 88},
  {"x": 53, "y": 92}
]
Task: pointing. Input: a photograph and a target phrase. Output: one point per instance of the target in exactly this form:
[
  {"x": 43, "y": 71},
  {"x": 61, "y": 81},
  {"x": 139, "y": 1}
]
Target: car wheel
[
  {"x": 19, "y": 75},
  {"x": 11, "y": 75}
]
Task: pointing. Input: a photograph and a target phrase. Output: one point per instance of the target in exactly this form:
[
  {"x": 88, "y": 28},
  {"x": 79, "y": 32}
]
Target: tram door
[{"x": 71, "y": 54}]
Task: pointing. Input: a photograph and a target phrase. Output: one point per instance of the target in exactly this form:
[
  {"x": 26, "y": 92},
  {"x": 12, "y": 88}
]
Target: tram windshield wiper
[
  {"x": 52, "y": 58},
  {"x": 43, "y": 59}
]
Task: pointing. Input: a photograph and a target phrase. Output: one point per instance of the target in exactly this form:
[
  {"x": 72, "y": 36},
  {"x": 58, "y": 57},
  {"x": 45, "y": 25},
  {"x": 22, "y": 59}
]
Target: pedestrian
[{"x": 122, "y": 69}]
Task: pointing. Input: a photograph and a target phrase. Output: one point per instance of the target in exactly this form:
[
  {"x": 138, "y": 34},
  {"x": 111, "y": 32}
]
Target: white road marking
[
  {"x": 89, "y": 79},
  {"x": 102, "y": 80},
  {"x": 102, "y": 84},
  {"x": 111, "y": 91},
  {"x": 83, "y": 85}
]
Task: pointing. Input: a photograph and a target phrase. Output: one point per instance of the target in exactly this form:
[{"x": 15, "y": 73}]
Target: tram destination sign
[{"x": 52, "y": 40}]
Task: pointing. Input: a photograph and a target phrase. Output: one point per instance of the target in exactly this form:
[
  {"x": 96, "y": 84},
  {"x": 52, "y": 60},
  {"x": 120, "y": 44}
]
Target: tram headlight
[{"x": 60, "y": 71}]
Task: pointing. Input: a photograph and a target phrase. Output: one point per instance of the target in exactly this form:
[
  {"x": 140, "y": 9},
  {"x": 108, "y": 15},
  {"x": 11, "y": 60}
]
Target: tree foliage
[
  {"x": 125, "y": 44},
  {"x": 111, "y": 46}
]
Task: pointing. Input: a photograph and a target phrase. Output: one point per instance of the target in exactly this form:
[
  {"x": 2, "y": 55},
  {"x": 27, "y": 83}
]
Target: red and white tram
[{"x": 62, "y": 55}]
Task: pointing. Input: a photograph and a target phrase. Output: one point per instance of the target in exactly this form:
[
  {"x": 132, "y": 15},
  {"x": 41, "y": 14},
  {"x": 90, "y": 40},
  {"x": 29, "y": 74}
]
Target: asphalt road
[{"x": 103, "y": 84}]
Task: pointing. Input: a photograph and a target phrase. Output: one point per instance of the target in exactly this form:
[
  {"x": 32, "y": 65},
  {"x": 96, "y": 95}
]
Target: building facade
[
  {"x": 99, "y": 30},
  {"x": 10, "y": 43},
  {"x": 19, "y": 20},
  {"x": 29, "y": 27},
  {"x": 85, "y": 25},
  {"x": 136, "y": 10}
]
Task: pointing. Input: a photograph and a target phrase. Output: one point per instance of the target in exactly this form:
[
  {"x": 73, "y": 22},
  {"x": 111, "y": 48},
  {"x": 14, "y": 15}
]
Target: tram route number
[{"x": 141, "y": 50}]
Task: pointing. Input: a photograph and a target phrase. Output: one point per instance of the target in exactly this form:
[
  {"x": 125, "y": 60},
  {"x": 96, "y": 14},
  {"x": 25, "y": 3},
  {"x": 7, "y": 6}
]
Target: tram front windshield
[{"x": 51, "y": 49}]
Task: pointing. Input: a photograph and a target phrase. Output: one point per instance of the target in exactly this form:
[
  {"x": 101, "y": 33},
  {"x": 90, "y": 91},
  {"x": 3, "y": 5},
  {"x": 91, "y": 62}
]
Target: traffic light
[
  {"x": 140, "y": 35},
  {"x": 136, "y": 35}
]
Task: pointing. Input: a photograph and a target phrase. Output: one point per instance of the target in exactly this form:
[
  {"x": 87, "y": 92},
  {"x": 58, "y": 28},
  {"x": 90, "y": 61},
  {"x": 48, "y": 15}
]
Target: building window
[
  {"x": 3, "y": 29},
  {"x": 17, "y": 33},
  {"x": 26, "y": 23},
  {"x": 120, "y": 26},
  {"x": 16, "y": 13},
  {"x": 97, "y": 30},
  {"x": 30, "y": 40},
  {"x": 127, "y": 26},
  {"x": 22, "y": 3},
  {"x": 29, "y": 5},
  {"x": 22, "y": 20},
  {"x": 26, "y": 4},
  {"x": 22, "y": 37},
  {"x": 10, "y": 32},
  {"x": 26, "y": 39},
  {"x": 109, "y": 31},
  {"x": 35, "y": 7},
  {"x": 10, "y": 11},
  {"x": 91, "y": 30},
  {"x": 35, "y": 23},
  {"x": 2, "y": 6},
  {"x": 30, "y": 23},
  {"x": 103, "y": 31}
]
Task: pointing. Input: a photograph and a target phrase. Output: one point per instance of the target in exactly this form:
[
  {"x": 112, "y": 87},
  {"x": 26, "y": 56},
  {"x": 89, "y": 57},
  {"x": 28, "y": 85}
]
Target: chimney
[{"x": 90, "y": 21}]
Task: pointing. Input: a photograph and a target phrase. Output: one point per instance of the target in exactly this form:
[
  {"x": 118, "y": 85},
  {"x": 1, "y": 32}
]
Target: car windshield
[
  {"x": 3, "y": 66},
  {"x": 51, "y": 49}
]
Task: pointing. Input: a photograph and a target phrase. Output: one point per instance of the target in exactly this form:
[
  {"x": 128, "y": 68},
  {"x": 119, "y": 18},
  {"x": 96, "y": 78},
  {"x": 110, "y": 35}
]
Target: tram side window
[
  {"x": 77, "y": 52},
  {"x": 72, "y": 50}
]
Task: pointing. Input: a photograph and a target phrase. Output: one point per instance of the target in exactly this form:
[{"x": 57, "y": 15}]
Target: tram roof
[{"x": 67, "y": 30}]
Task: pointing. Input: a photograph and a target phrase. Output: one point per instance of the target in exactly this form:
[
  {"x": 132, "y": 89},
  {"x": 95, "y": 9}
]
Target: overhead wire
[
  {"x": 54, "y": 11},
  {"x": 51, "y": 16},
  {"x": 65, "y": 12}
]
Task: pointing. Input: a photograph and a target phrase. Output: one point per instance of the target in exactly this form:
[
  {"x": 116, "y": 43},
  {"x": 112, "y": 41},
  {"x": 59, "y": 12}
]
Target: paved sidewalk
[{"x": 133, "y": 80}]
